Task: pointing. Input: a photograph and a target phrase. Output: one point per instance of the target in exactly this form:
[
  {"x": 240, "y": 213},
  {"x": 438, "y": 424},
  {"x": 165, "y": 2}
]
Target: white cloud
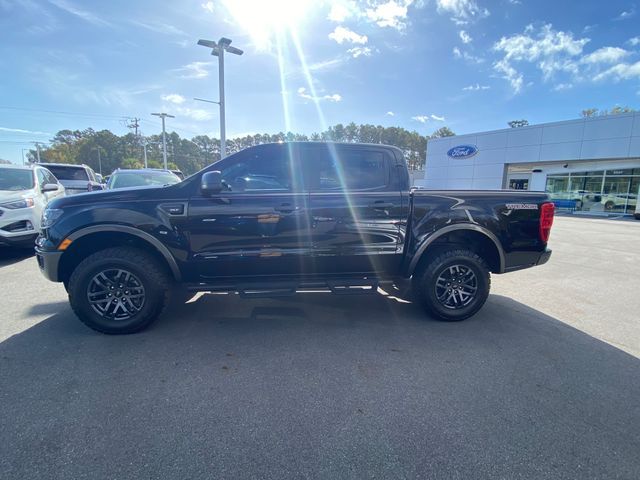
[
  {"x": 626, "y": 14},
  {"x": 475, "y": 88},
  {"x": 421, "y": 118},
  {"x": 302, "y": 93},
  {"x": 21, "y": 130},
  {"x": 392, "y": 13},
  {"x": 197, "y": 114},
  {"x": 174, "y": 98},
  {"x": 340, "y": 11},
  {"x": 360, "y": 51},
  {"x": 510, "y": 74},
  {"x": 83, "y": 14},
  {"x": 634, "y": 42},
  {"x": 550, "y": 50},
  {"x": 193, "y": 70},
  {"x": 559, "y": 54},
  {"x": 466, "y": 56},
  {"x": 390, "y": 114},
  {"x": 159, "y": 27},
  {"x": 208, "y": 6},
  {"x": 437, "y": 118},
  {"x": 606, "y": 55},
  {"x": 621, "y": 71},
  {"x": 462, "y": 11},
  {"x": 563, "y": 86},
  {"x": 343, "y": 34},
  {"x": 465, "y": 37}
]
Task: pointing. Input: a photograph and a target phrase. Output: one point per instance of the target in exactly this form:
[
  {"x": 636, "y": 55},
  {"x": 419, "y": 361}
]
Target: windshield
[
  {"x": 15, "y": 179},
  {"x": 68, "y": 173},
  {"x": 142, "y": 179}
]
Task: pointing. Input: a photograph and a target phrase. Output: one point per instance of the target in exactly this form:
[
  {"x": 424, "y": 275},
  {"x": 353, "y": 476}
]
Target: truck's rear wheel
[
  {"x": 453, "y": 285},
  {"x": 118, "y": 290}
]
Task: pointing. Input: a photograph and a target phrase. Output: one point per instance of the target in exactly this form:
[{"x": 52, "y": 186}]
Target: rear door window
[{"x": 334, "y": 168}]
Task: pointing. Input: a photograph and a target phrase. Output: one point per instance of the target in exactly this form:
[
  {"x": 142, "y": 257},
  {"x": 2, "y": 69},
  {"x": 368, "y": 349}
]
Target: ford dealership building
[{"x": 589, "y": 164}]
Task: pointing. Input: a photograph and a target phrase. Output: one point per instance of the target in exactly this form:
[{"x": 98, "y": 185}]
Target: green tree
[
  {"x": 518, "y": 123},
  {"x": 443, "y": 132},
  {"x": 131, "y": 163}
]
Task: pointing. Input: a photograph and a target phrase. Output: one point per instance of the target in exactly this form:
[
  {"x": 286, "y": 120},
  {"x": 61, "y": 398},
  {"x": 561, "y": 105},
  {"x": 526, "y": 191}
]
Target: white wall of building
[{"x": 602, "y": 139}]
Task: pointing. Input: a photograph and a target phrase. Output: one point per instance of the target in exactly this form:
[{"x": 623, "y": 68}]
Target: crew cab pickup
[{"x": 276, "y": 219}]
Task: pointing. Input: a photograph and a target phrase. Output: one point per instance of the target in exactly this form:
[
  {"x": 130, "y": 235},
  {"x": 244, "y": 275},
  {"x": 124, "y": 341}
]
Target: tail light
[{"x": 546, "y": 220}]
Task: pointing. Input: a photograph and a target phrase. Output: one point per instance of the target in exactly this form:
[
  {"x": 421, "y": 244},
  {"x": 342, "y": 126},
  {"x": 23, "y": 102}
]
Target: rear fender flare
[{"x": 451, "y": 228}]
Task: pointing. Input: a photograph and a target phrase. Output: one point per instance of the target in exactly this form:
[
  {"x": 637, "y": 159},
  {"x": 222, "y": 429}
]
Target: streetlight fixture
[
  {"x": 217, "y": 50},
  {"x": 164, "y": 139}
]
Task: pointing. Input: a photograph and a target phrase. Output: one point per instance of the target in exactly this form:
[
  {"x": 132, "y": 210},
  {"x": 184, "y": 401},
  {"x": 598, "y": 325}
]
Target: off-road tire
[
  {"x": 152, "y": 276},
  {"x": 425, "y": 290}
]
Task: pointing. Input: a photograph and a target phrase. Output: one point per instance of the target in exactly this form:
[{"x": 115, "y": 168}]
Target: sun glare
[{"x": 264, "y": 19}]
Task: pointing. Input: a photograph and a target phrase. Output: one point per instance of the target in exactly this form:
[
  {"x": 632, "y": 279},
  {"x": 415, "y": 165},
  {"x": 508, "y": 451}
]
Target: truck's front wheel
[
  {"x": 118, "y": 290},
  {"x": 453, "y": 285}
]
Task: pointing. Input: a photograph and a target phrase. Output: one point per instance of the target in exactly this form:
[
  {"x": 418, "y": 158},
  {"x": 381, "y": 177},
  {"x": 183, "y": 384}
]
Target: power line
[{"x": 58, "y": 112}]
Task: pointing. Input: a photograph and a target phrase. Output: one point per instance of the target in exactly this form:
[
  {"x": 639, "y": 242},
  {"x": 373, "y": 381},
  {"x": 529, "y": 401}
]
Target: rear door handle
[{"x": 381, "y": 205}]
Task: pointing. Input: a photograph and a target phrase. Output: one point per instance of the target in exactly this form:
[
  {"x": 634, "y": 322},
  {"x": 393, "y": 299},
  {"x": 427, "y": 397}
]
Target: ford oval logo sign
[{"x": 463, "y": 151}]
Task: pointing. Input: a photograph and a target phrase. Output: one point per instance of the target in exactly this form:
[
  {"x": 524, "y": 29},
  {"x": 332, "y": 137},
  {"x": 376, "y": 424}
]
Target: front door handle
[
  {"x": 381, "y": 205},
  {"x": 284, "y": 208}
]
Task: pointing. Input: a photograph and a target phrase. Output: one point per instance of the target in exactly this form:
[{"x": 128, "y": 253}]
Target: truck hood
[
  {"x": 107, "y": 196},
  {"x": 12, "y": 196}
]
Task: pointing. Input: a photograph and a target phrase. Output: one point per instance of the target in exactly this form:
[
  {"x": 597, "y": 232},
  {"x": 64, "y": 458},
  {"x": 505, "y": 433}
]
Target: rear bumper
[
  {"x": 528, "y": 260},
  {"x": 49, "y": 263},
  {"x": 544, "y": 258}
]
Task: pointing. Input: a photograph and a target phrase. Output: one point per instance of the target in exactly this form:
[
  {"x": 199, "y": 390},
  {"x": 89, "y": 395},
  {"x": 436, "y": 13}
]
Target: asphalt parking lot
[{"x": 543, "y": 383}]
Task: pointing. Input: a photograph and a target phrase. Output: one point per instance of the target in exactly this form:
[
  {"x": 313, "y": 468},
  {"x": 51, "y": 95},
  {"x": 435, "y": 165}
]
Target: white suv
[{"x": 24, "y": 192}]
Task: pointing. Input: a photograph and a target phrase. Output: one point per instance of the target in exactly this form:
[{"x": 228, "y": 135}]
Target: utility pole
[
  {"x": 134, "y": 125},
  {"x": 164, "y": 138},
  {"x": 217, "y": 50}
]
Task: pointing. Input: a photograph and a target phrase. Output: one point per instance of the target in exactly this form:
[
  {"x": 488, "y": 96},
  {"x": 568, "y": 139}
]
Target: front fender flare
[{"x": 164, "y": 251}]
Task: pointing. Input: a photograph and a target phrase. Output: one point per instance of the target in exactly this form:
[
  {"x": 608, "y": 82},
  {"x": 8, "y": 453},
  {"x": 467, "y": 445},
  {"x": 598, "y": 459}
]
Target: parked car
[
  {"x": 178, "y": 173},
  {"x": 75, "y": 178},
  {"x": 279, "y": 218},
  {"x": 24, "y": 192},
  {"x": 148, "y": 177},
  {"x": 617, "y": 201}
]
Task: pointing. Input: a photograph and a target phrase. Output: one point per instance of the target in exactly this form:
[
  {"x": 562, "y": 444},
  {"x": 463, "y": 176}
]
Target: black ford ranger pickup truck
[{"x": 275, "y": 219}]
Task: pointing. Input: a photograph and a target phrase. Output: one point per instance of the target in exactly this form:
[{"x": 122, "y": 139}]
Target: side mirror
[
  {"x": 49, "y": 187},
  {"x": 211, "y": 183}
]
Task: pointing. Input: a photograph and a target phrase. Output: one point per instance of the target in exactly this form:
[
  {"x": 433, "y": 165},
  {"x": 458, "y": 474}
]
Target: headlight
[
  {"x": 50, "y": 216},
  {"x": 24, "y": 203}
]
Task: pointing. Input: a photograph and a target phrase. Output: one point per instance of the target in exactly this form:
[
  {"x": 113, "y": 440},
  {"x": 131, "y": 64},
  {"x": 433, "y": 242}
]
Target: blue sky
[{"x": 472, "y": 65}]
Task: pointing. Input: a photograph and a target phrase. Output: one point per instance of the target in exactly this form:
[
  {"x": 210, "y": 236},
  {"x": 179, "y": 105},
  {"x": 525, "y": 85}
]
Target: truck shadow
[
  {"x": 11, "y": 255},
  {"x": 266, "y": 382}
]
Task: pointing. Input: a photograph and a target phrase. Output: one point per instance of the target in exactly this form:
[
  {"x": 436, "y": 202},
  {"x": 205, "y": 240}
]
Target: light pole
[
  {"x": 37, "y": 150},
  {"x": 144, "y": 147},
  {"x": 99, "y": 160},
  {"x": 164, "y": 139},
  {"x": 218, "y": 49}
]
